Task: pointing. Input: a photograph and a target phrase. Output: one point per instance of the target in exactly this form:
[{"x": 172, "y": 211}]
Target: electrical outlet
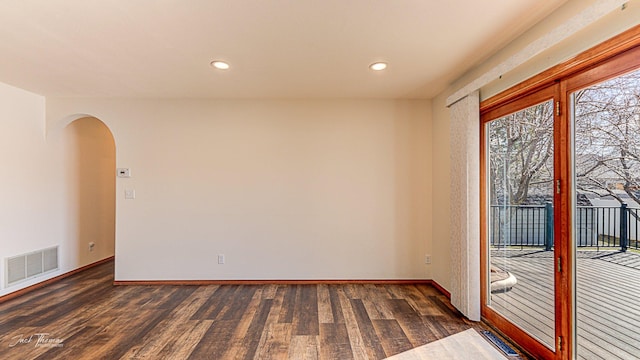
[
  {"x": 220, "y": 259},
  {"x": 427, "y": 259}
]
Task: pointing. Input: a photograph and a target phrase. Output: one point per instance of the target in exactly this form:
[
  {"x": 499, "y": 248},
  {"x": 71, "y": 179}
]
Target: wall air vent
[{"x": 27, "y": 266}]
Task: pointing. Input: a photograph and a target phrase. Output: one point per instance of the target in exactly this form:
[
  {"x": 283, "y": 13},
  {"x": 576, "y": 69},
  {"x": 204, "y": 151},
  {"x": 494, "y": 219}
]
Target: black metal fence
[{"x": 532, "y": 225}]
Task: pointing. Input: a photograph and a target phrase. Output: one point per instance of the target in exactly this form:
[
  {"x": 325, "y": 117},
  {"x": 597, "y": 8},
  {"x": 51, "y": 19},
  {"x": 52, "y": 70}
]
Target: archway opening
[{"x": 90, "y": 158}]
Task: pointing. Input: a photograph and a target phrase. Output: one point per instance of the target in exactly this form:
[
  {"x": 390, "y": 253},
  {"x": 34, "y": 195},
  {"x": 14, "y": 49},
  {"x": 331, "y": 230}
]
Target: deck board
[{"x": 608, "y": 309}]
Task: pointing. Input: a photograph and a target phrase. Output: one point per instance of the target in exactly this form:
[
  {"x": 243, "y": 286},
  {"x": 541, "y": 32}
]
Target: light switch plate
[{"x": 129, "y": 194}]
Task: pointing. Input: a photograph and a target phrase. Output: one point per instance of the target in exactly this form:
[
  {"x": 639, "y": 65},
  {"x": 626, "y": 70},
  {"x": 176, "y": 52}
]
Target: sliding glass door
[
  {"x": 606, "y": 200},
  {"x": 561, "y": 213},
  {"x": 519, "y": 172}
]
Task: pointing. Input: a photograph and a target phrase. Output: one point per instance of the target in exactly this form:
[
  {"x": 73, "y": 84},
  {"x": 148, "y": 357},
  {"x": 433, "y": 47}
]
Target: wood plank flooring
[{"x": 86, "y": 317}]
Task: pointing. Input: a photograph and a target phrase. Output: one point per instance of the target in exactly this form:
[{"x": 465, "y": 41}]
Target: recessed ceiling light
[
  {"x": 377, "y": 66},
  {"x": 220, "y": 64}
]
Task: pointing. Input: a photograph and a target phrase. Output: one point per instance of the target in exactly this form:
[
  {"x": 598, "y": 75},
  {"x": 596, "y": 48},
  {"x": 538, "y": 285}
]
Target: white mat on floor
[{"x": 466, "y": 345}]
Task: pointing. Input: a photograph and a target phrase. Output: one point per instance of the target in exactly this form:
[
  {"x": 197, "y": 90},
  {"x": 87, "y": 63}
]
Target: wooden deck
[{"x": 608, "y": 307}]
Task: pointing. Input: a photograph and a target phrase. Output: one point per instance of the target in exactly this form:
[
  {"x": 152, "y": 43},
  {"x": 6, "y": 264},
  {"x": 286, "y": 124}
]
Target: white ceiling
[{"x": 276, "y": 48}]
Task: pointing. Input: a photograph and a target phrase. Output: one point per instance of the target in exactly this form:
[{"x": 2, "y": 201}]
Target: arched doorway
[{"x": 90, "y": 160}]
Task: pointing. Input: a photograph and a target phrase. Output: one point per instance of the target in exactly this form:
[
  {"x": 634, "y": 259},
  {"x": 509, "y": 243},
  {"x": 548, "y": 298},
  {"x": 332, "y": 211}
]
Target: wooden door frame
[
  {"x": 607, "y": 60},
  {"x": 518, "y": 335}
]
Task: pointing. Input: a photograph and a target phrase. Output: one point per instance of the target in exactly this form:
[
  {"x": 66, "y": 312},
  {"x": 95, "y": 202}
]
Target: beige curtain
[{"x": 465, "y": 205}]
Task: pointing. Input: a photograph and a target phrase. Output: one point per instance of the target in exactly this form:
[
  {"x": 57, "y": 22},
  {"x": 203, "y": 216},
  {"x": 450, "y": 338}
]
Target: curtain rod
[{"x": 578, "y": 22}]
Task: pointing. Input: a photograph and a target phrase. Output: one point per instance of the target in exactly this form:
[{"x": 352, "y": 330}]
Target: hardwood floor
[{"x": 86, "y": 317}]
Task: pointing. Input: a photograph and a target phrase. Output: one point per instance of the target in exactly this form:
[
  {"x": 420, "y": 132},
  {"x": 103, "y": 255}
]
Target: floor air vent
[
  {"x": 26, "y": 266},
  {"x": 499, "y": 343}
]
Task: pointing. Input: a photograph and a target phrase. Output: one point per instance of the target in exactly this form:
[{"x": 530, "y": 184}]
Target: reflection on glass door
[
  {"x": 606, "y": 127},
  {"x": 520, "y": 219}
]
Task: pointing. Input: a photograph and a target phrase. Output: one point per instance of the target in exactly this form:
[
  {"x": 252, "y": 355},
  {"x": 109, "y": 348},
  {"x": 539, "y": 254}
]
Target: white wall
[
  {"x": 27, "y": 199},
  {"x": 35, "y": 206},
  {"x": 441, "y": 182},
  {"x": 607, "y": 27},
  {"x": 323, "y": 189}
]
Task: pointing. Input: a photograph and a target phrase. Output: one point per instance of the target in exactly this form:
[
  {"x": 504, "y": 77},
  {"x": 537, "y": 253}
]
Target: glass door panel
[
  {"x": 606, "y": 201},
  {"x": 520, "y": 158}
]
